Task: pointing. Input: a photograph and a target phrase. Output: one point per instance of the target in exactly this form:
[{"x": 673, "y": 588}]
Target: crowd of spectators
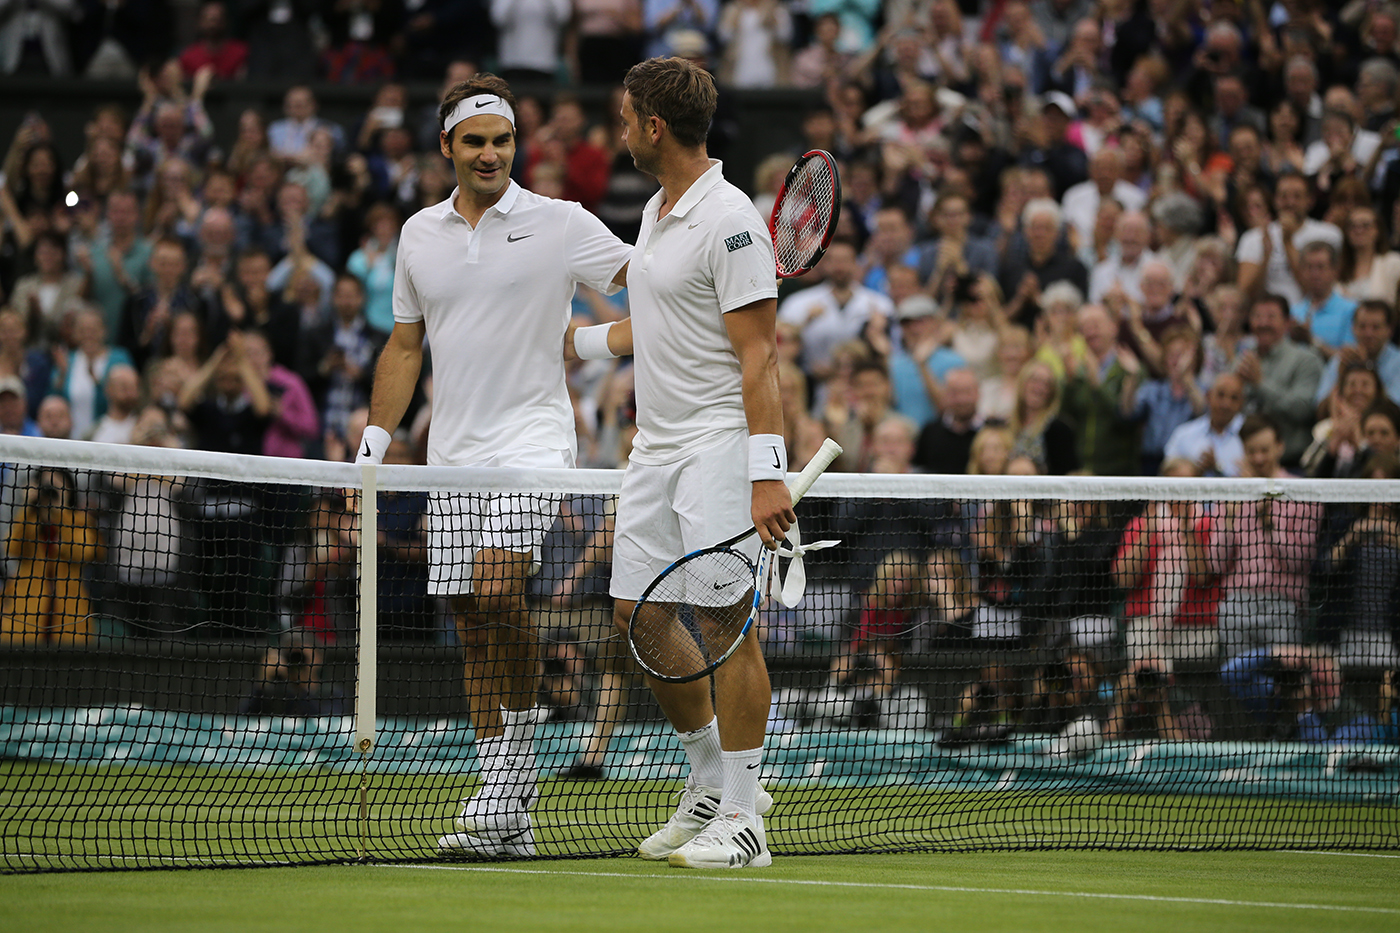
[{"x": 1121, "y": 237}]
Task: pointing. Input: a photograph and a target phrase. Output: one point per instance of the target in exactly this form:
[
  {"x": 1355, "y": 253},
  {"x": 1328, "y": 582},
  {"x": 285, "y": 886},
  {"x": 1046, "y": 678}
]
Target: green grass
[
  {"x": 61, "y": 817},
  {"x": 1219, "y": 892}
]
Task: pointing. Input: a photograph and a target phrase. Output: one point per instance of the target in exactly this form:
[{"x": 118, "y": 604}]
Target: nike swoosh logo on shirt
[
  {"x": 694, "y": 225},
  {"x": 512, "y": 239}
]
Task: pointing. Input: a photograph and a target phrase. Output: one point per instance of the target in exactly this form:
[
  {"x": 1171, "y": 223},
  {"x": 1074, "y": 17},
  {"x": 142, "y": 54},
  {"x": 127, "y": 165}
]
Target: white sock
[
  {"x": 520, "y": 731},
  {"x": 741, "y": 782},
  {"x": 490, "y": 756},
  {"x": 702, "y": 750}
]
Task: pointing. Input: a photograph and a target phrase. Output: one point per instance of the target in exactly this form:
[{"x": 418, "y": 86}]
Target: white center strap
[
  {"x": 476, "y": 106},
  {"x": 794, "y": 583}
]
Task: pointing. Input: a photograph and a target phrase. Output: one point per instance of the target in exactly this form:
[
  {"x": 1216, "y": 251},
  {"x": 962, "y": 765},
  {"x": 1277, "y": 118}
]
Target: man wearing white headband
[{"x": 487, "y": 277}]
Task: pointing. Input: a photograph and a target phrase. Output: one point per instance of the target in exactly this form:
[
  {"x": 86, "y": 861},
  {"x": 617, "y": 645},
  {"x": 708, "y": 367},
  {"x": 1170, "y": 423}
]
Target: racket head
[
  {"x": 696, "y": 613},
  {"x": 805, "y": 215}
]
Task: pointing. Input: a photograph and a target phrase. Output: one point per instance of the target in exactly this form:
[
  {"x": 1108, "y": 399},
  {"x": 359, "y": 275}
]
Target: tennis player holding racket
[
  {"x": 709, "y": 458},
  {"x": 487, "y": 277}
]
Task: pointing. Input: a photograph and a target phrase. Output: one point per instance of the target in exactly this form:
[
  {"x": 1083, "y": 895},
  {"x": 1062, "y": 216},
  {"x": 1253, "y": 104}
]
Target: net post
[{"x": 366, "y": 667}]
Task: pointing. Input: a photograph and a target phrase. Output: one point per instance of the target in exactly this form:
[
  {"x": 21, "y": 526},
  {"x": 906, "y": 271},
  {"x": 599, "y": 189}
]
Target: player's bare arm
[
  {"x": 396, "y": 376},
  {"x": 752, "y": 333}
]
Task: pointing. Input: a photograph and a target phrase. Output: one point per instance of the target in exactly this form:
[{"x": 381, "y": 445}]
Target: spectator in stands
[
  {"x": 1294, "y": 692},
  {"x": 954, "y": 251},
  {"x": 563, "y": 140},
  {"x": 123, "y": 390},
  {"x": 1165, "y": 404},
  {"x": 250, "y": 145},
  {"x": 852, "y": 421},
  {"x": 339, "y": 357},
  {"x": 1281, "y": 377},
  {"x": 1322, "y": 317},
  {"x": 1372, "y": 328},
  {"x": 80, "y": 373},
  {"x": 360, "y": 34},
  {"x": 44, "y": 295},
  {"x": 1263, "y": 551},
  {"x": 1142, "y": 706},
  {"x": 1212, "y": 440},
  {"x": 30, "y": 364},
  {"x": 756, "y": 40},
  {"x": 1038, "y": 431},
  {"x": 834, "y": 311},
  {"x": 227, "y": 403},
  {"x": 1366, "y": 268},
  {"x": 14, "y": 419},
  {"x": 530, "y": 38},
  {"x": 146, "y": 323},
  {"x": 1081, "y": 201},
  {"x": 295, "y": 425},
  {"x": 373, "y": 265},
  {"x": 1061, "y": 346},
  {"x": 1094, "y": 404},
  {"x": 1047, "y": 258},
  {"x": 289, "y": 681},
  {"x": 99, "y": 171},
  {"x": 1367, "y": 559},
  {"x": 117, "y": 261},
  {"x": 1222, "y": 348},
  {"x": 1065, "y": 162},
  {"x": 290, "y": 137},
  {"x": 316, "y": 583},
  {"x": 214, "y": 47},
  {"x": 883, "y": 627},
  {"x": 945, "y": 443},
  {"x": 215, "y": 246},
  {"x": 166, "y": 129},
  {"x": 920, "y": 359},
  {"x": 54, "y": 418},
  {"x": 1266, "y": 253},
  {"x": 997, "y": 393},
  {"x": 53, "y": 541},
  {"x": 1123, "y": 268},
  {"x": 891, "y": 243},
  {"x": 892, "y": 445},
  {"x": 1337, "y": 439}
]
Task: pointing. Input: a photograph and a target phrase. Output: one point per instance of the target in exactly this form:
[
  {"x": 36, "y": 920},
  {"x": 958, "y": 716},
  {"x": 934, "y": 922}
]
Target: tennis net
[{"x": 218, "y": 661}]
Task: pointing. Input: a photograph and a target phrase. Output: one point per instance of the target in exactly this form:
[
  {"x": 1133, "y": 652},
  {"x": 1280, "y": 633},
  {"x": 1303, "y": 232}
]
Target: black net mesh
[{"x": 178, "y": 668}]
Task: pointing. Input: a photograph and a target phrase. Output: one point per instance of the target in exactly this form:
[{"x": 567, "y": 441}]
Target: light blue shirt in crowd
[
  {"x": 1387, "y": 367},
  {"x": 1331, "y": 323},
  {"x": 910, "y": 399},
  {"x": 1195, "y": 437}
]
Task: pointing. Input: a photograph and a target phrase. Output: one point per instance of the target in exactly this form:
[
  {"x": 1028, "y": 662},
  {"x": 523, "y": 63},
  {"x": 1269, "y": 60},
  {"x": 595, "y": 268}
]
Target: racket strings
[
  {"x": 694, "y": 613},
  {"x": 804, "y": 215}
]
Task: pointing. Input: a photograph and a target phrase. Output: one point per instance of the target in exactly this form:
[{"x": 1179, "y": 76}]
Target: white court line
[
  {"x": 909, "y": 887},
  {"x": 1347, "y": 854}
]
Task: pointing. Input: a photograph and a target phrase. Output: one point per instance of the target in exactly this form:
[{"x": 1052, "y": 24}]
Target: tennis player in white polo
[
  {"x": 709, "y": 457},
  {"x": 487, "y": 276}
]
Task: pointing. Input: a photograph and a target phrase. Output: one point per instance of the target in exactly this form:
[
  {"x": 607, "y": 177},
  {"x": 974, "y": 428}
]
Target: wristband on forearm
[
  {"x": 591, "y": 343},
  {"x": 374, "y": 443},
  {"x": 767, "y": 457}
]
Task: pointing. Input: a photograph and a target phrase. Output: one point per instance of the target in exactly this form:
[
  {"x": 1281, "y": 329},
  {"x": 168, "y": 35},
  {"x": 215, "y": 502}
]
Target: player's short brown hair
[
  {"x": 676, "y": 90},
  {"x": 484, "y": 83}
]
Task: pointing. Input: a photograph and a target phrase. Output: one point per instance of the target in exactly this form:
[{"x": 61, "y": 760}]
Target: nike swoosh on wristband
[
  {"x": 365, "y": 452},
  {"x": 513, "y": 239},
  {"x": 776, "y": 461}
]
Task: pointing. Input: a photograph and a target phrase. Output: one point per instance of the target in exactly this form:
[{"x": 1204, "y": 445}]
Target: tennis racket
[
  {"x": 695, "y": 614},
  {"x": 805, "y": 214}
]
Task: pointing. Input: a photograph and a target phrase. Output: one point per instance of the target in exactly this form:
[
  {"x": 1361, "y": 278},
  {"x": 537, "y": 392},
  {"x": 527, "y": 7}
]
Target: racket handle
[{"x": 829, "y": 451}]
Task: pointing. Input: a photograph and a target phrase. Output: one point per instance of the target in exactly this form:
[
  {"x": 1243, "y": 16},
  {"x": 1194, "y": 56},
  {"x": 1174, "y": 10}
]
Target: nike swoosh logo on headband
[{"x": 484, "y": 103}]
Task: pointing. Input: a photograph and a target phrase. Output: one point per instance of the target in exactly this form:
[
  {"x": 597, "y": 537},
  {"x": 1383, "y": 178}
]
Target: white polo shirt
[
  {"x": 495, "y": 303},
  {"x": 1278, "y": 277},
  {"x": 710, "y": 255}
]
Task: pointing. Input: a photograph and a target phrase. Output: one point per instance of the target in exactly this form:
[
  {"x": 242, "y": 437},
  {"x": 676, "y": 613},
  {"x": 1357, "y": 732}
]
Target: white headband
[{"x": 478, "y": 105}]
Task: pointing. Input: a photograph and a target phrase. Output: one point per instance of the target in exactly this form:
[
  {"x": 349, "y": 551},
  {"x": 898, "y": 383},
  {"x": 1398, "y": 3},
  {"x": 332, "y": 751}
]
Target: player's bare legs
[
  {"x": 744, "y": 695},
  {"x": 501, "y": 672}
]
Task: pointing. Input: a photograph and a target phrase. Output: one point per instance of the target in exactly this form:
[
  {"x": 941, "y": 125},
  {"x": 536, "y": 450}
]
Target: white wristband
[
  {"x": 767, "y": 457},
  {"x": 591, "y": 343},
  {"x": 373, "y": 444}
]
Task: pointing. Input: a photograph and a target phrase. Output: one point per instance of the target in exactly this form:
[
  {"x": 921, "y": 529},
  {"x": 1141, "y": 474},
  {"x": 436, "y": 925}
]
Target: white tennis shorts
[
  {"x": 460, "y": 524},
  {"x": 665, "y": 512}
]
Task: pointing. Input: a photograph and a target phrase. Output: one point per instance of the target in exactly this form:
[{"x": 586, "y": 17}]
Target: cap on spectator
[
  {"x": 917, "y": 306},
  {"x": 12, "y": 384},
  {"x": 688, "y": 43},
  {"x": 1061, "y": 100}
]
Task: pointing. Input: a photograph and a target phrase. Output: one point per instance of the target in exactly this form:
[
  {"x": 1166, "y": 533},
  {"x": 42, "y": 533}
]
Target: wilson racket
[
  {"x": 695, "y": 614},
  {"x": 805, "y": 214}
]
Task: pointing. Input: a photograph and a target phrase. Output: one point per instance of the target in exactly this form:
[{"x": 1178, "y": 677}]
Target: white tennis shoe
[
  {"x": 729, "y": 841},
  {"x": 516, "y": 843},
  {"x": 699, "y": 805}
]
